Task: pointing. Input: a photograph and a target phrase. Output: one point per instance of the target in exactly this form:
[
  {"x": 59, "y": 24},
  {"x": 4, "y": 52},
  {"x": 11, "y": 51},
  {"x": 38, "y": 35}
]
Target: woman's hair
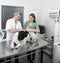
[{"x": 33, "y": 15}]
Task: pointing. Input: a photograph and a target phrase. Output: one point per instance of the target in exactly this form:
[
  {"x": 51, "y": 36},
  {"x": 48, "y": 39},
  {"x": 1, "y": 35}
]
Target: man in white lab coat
[{"x": 13, "y": 26}]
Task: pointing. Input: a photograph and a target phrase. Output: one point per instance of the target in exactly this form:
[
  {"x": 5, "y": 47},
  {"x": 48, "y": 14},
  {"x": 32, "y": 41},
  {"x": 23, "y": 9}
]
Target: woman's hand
[
  {"x": 29, "y": 30},
  {"x": 32, "y": 30}
]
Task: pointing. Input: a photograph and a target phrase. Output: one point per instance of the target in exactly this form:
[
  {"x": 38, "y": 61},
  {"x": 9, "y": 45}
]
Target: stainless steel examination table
[{"x": 6, "y": 52}]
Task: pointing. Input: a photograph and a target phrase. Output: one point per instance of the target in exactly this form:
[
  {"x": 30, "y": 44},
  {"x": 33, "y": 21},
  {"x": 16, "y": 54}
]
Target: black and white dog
[{"x": 21, "y": 37}]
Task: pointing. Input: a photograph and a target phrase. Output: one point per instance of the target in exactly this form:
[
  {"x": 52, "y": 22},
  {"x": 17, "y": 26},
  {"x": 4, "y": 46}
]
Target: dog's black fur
[{"x": 22, "y": 35}]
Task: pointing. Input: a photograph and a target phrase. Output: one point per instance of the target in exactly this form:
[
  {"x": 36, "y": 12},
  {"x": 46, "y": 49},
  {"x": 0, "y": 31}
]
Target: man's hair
[{"x": 16, "y": 13}]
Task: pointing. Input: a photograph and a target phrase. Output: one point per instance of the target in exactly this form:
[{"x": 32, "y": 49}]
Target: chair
[{"x": 42, "y": 31}]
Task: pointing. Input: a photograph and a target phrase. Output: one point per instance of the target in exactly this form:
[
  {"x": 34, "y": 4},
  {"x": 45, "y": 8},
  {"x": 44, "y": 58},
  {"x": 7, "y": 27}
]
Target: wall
[
  {"x": 11, "y": 3},
  {"x": 41, "y": 9},
  {"x": 46, "y": 6},
  {"x": 28, "y": 5}
]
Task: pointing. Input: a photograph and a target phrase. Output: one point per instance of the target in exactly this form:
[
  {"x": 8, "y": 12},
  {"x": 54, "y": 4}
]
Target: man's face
[{"x": 18, "y": 17}]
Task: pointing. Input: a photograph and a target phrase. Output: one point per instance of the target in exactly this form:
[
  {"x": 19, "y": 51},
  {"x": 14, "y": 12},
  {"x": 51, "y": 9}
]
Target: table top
[{"x": 5, "y": 50}]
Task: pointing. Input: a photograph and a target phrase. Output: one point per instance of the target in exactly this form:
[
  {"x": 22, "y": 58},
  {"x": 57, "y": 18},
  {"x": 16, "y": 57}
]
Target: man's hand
[{"x": 13, "y": 30}]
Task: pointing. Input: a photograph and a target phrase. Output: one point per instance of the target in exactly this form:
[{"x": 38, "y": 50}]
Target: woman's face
[{"x": 31, "y": 18}]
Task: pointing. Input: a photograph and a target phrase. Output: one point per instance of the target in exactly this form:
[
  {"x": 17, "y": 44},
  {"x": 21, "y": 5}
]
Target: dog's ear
[{"x": 20, "y": 37}]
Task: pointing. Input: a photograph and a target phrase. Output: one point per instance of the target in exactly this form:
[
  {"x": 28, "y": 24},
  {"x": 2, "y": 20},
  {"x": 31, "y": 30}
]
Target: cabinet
[{"x": 49, "y": 48}]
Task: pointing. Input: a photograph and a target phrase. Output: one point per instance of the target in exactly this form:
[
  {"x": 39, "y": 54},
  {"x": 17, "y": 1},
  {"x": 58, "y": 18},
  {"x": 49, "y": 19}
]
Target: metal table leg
[{"x": 40, "y": 58}]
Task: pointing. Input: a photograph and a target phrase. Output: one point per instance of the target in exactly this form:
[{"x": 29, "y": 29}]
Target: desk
[{"x": 5, "y": 51}]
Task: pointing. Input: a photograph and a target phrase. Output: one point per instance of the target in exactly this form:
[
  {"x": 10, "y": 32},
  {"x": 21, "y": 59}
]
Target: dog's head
[{"x": 22, "y": 35}]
